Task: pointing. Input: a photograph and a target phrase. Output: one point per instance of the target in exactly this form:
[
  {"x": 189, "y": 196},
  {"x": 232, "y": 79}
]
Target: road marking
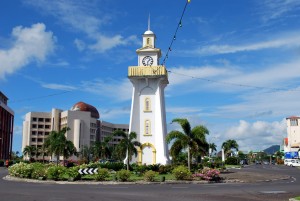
[
  {"x": 180, "y": 187},
  {"x": 273, "y": 192}
]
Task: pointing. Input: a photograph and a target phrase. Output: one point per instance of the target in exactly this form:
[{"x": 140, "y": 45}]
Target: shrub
[
  {"x": 102, "y": 174},
  {"x": 181, "y": 173},
  {"x": 73, "y": 172},
  {"x": 154, "y": 167},
  {"x": 165, "y": 169},
  {"x": 231, "y": 161},
  {"x": 150, "y": 175},
  {"x": 39, "y": 170},
  {"x": 1, "y": 163},
  {"x": 112, "y": 166},
  {"x": 57, "y": 173},
  {"x": 208, "y": 174},
  {"x": 21, "y": 170},
  {"x": 123, "y": 175}
]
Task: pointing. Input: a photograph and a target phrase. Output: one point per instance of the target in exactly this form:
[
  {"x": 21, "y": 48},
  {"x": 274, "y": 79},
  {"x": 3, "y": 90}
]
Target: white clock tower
[{"x": 148, "y": 114}]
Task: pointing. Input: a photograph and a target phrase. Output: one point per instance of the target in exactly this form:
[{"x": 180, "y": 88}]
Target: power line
[
  {"x": 38, "y": 97},
  {"x": 231, "y": 83},
  {"x": 175, "y": 34}
]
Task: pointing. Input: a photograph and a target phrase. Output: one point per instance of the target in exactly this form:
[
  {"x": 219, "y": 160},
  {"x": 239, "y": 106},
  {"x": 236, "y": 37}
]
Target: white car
[{"x": 294, "y": 163}]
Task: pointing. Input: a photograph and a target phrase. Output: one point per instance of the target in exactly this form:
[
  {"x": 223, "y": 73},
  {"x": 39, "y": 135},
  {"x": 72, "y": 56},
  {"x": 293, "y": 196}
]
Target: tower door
[{"x": 147, "y": 154}]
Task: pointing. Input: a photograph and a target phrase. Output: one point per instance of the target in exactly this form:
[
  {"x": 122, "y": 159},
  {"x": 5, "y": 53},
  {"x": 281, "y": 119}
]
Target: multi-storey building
[
  {"x": 292, "y": 142},
  {"x": 82, "y": 119},
  {"x": 6, "y": 128}
]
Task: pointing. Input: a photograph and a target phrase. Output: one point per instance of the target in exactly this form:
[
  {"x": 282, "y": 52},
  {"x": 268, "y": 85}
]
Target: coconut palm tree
[
  {"x": 229, "y": 145},
  {"x": 213, "y": 147},
  {"x": 127, "y": 144},
  {"x": 30, "y": 151},
  {"x": 102, "y": 149},
  {"x": 57, "y": 144},
  {"x": 43, "y": 151},
  {"x": 194, "y": 140}
]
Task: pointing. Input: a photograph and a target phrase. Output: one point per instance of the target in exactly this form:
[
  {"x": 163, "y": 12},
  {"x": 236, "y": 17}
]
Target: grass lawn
[
  {"x": 232, "y": 166},
  {"x": 297, "y": 198}
]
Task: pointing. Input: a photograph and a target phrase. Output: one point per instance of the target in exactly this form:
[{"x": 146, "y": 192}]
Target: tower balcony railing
[{"x": 147, "y": 71}]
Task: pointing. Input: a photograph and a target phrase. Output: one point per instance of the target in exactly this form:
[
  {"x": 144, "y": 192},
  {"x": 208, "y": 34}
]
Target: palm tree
[
  {"x": 229, "y": 145},
  {"x": 30, "y": 151},
  {"x": 127, "y": 144},
  {"x": 102, "y": 149},
  {"x": 57, "y": 144},
  {"x": 194, "y": 140},
  {"x": 213, "y": 147},
  {"x": 43, "y": 151}
]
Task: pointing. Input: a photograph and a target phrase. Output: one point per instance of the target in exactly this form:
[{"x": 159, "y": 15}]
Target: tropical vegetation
[{"x": 192, "y": 140}]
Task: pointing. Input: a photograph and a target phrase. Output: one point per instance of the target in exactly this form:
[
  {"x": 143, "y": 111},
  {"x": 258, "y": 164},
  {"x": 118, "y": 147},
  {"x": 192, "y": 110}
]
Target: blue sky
[{"x": 234, "y": 66}]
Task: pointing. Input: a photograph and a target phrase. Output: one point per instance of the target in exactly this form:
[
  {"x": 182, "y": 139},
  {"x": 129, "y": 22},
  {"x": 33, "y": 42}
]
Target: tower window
[
  {"x": 147, "y": 107},
  {"x": 294, "y": 122},
  {"x": 148, "y": 43},
  {"x": 147, "y": 127}
]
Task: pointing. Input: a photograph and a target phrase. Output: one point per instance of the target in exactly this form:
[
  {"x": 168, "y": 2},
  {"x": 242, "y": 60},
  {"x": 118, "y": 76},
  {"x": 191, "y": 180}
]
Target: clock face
[{"x": 147, "y": 61}]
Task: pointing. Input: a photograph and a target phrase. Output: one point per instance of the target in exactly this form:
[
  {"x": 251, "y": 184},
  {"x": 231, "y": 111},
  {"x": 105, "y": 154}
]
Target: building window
[
  {"x": 148, "y": 42},
  {"x": 33, "y": 132},
  {"x": 41, "y": 119},
  {"x": 294, "y": 122},
  {"x": 47, "y": 126},
  {"x": 147, "y": 127},
  {"x": 33, "y": 139},
  {"x": 40, "y": 139},
  {"x": 41, "y": 126},
  {"x": 33, "y": 119},
  {"x": 33, "y": 125},
  {"x": 147, "y": 105},
  {"x": 47, "y": 120},
  {"x": 46, "y": 133}
]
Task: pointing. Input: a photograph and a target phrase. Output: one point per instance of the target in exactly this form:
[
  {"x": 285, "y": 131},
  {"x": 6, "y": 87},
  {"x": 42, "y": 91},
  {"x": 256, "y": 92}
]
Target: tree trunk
[
  {"x": 189, "y": 159},
  {"x": 127, "y": 158},
  {"x": 57, "y": 158}
]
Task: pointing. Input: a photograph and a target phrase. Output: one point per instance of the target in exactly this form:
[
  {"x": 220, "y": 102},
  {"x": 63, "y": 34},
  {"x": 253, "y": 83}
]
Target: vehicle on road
[
  {"x": 292, "y": 162},
  {"x": 295, "y": 163}
]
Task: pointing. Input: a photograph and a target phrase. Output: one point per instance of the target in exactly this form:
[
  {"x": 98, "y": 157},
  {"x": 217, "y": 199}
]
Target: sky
[{"x": 234, "y": 66}]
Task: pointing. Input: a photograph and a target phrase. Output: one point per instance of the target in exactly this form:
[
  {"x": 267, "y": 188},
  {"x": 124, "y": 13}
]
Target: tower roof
[
  {"x": 149, "y": 32},
  {"x": 81, "y": 106}
]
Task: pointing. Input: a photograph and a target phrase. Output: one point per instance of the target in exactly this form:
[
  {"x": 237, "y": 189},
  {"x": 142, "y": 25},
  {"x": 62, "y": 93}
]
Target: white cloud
[
  {"x": 29, "y": 44},
  {"x": 274, "y": 9},
  {"x": 79, "y": 16},
  {"x": 287, "y": 41},
  {"x": 120, "y": 90},
  {"x": 256, "y": 135},
  {"x": 59, "y": 87}
]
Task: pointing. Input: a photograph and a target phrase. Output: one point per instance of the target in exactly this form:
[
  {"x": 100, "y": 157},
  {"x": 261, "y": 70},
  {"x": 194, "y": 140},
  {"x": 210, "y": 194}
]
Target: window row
[
  {"x": 39, "y": 133},
  {"x": 36, "y": 139},
  {"x": 294, "y": 122},
  {"x": 41, "y": 126},
  {"x": 41, "y": 119}
]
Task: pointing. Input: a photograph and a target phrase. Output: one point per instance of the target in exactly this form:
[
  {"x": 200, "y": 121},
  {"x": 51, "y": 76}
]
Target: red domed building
[{"x": 83, "y": 120}]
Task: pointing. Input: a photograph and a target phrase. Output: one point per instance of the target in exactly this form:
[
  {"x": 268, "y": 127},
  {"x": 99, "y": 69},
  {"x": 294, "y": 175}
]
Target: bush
[
  {"x": 150, "y": 175},
  {"x": 181, "y": 173},
  {"x": 165, "y": 169},
  {"x": 112, "y": 166},
  {"x": 123, "y": 175},
  {"x": 208, "y": 174},
  {"x": 73, "y": 172},
  {"x": 57, "y": 173},
  {"x": 154, "y": 167},
  {"x": 102, "y": 174},
  {"x": 231, "y": 161},
  {"x": 1, "y": 163},
  {"x": 39, "y": 170},
  {"x": 23, "y": 170}
]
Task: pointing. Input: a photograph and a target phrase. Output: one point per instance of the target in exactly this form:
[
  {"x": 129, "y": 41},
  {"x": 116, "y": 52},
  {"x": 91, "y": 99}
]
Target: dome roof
[
  {"x": 81, "y": 106},
  {"x": 149, "y": 32}
]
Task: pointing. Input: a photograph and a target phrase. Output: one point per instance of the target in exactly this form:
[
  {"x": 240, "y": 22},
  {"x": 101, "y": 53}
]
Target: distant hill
[{"x": 272, "y": 149}]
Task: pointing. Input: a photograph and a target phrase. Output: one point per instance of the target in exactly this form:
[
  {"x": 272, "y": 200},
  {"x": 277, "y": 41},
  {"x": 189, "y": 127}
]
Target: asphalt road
[{"x": 280, "y": 190}]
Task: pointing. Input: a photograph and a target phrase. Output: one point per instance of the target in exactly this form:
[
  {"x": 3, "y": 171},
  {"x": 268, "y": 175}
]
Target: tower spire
[{"x": 149, "y": 22}]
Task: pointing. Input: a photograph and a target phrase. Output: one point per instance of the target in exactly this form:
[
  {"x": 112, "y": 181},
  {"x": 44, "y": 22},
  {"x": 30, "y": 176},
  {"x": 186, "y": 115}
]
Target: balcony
[{"x": 147, "y": 71}]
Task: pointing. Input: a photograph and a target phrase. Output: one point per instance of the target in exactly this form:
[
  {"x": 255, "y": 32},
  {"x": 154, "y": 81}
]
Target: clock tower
[{"x": 148, "y": 114}]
